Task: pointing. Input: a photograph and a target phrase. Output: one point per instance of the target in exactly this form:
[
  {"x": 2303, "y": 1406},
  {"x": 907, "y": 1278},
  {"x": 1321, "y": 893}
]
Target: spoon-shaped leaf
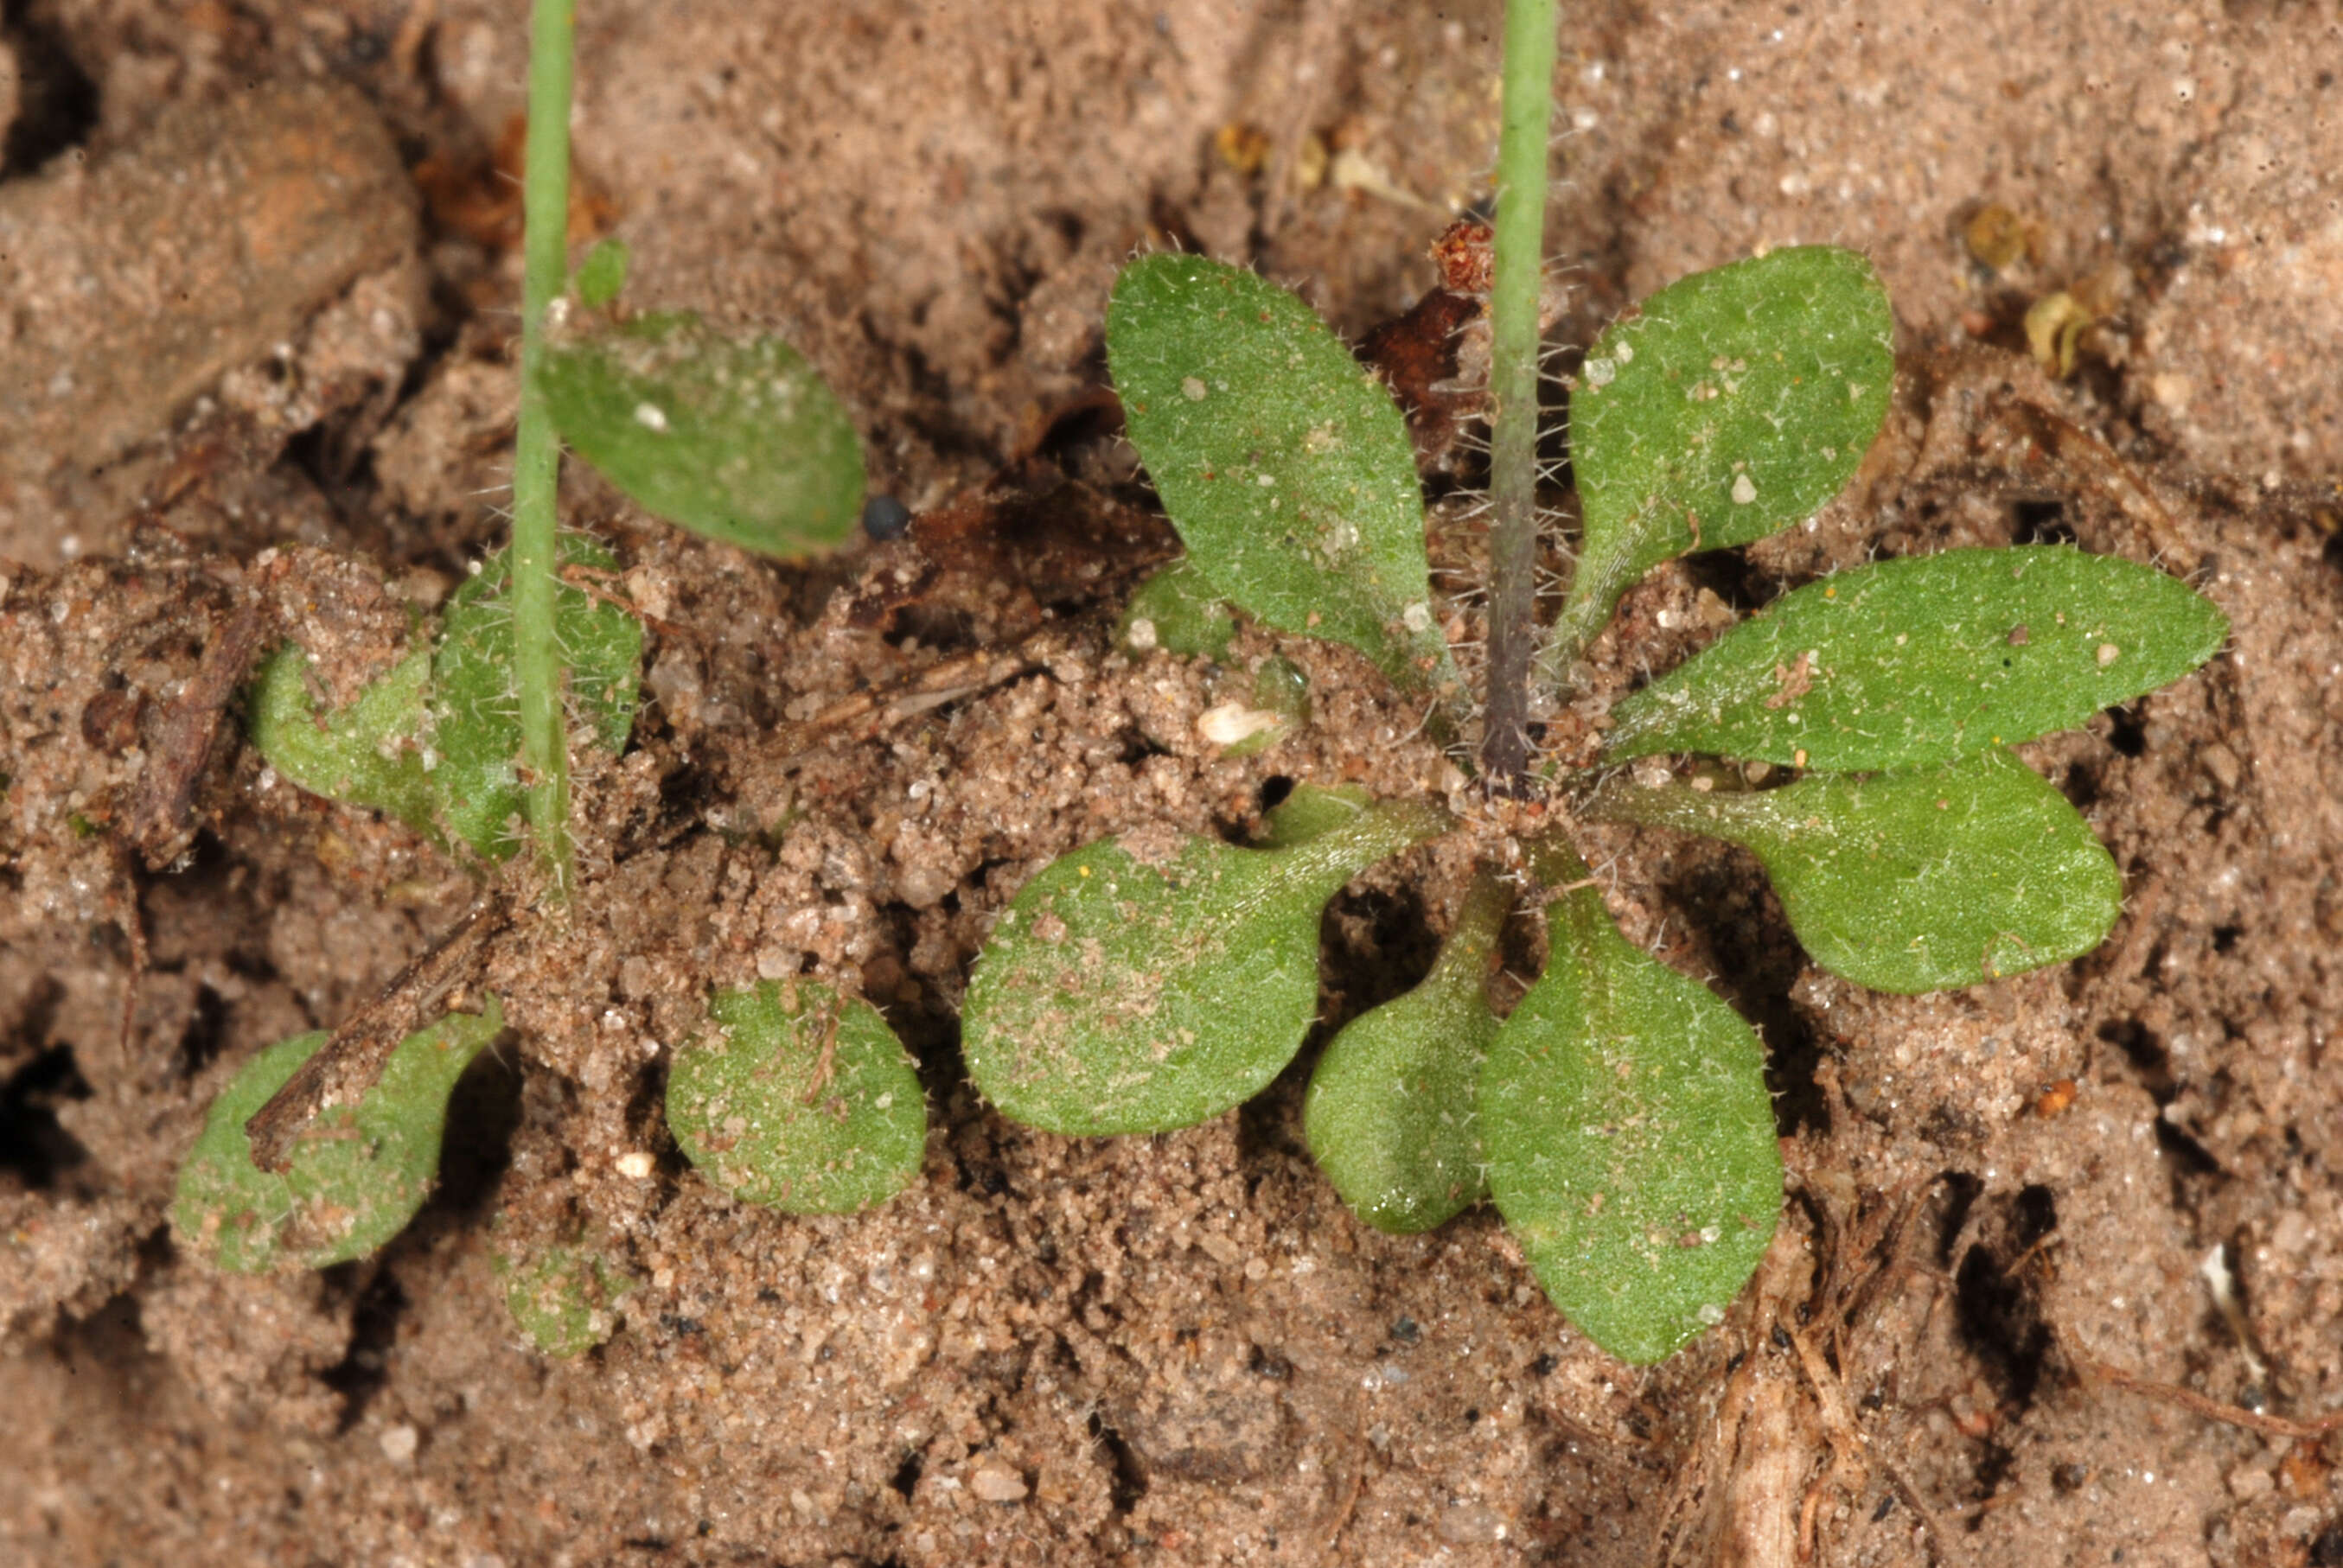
[
  {"x": 368, "y": 753},
  {"x": 1285, "y": 467},
  {"x": 358, "y": 1174},
  {"x": 1631, "y": 1139},
  {"x": 1915, "y": 881},
  {"x": 475, "y": 714},
  {"x": 736, "y": 439},
  {"x": 1154, "y": 981},
  {"x": 1393, "y": 1106},
  {"x": 1733, "y": 404},
  {"x": 800, "y": 1099},
  {"x": 1920, "y": 660}
]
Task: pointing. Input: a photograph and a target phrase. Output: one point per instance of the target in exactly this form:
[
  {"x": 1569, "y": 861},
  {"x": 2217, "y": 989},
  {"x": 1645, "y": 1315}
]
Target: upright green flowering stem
[
  {"x": 1513, "y": 385},
  {"x": 537, "y": 454}
]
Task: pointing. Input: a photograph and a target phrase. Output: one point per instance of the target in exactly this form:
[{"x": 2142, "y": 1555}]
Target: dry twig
[{"x": 348, "y": 1064}]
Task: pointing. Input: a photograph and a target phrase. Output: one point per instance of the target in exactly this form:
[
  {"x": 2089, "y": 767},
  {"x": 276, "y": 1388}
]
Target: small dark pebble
[
  {"x": 1543, "y": 1366},
  {"x": 109, "y": 722},
  {"x": 1405, "y": 1331},
  {"x": 885, "y": 517},
  {"x": 1886, "y": 1506},
  {"x": 1471, "y": 1415}
]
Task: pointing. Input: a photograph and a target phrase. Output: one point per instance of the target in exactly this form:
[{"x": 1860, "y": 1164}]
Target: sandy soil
[{"x": 256, "y": 284}]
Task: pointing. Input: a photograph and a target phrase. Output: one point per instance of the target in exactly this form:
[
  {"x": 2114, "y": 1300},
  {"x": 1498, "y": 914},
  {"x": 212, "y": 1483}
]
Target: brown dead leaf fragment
[
  {"x": 1416, "y": 355},
  {"x": 478, "y": 196},
  {"x": 1466, "y": 254},
  {"x": 159, "y": 826},
  {"x": 1003, "y": 554}
]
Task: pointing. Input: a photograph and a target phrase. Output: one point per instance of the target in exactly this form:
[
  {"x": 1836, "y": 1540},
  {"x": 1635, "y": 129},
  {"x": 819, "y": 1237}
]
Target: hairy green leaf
[
  {"x": 358, "y": 1174},
  {"x": 800, "y": 1099},
  {"x": 602, "y": 273},
  {"x": 1285, "y": 467},
  {"x": 1917, "y": 661},
  {"x": 736, "y": 439},
  {"x": 1391, "y": 1110},
  {"x": 437, "y": 740},
  {"x": 1731, "y": 405},
  {"x": 368, "y": 753},
  {"x": 1915, "y": 881},
  {"x": 1154, "y": 981},
  {"x": 475, "y": 714},
  {"x": 1630, "y": 1138},
  {"x": 565, "y": 1300}
]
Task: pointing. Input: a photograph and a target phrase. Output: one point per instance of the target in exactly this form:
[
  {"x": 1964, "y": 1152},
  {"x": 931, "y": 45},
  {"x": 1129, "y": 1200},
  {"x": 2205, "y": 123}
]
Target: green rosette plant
[{"x": 1618, "y": 1115}]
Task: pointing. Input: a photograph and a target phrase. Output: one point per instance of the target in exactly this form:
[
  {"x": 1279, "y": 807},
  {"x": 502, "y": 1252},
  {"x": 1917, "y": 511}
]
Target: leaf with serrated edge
[
  {"x": 367, "y": 753},
  {"x": 476, "y": 712},
  {"x": 1285, "y": 467},
  {"x": 1155, "y": 980},
  {"x": 1630, "y": 1138},
  {"x": 1912, "y": 662},
  {"x": 737, "y": 438},
  {"x": 358, "y": 1174},
  {"x": 1391, "y": 1113},
  {"x": 1914, "y": 882},
  {"x": 1731, "y": 405},
  {"x": 799, "y": 1099}
]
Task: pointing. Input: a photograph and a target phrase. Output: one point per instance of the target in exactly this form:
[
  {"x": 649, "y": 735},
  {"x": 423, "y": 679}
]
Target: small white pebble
[
  {"x": 398, "y": 1442},
  {"x": 634, "y": 1164},
  {"x": 1141, "y": 635},
  {"x": 1743, "y": 491},
  {"x": 650, "y": 416},
  {"x": 1471, "y": 1524},
  {"x": 1417, "y": 617},
  {"x": 1193, "y": 388},
  {"x": 2109, "y": 654},
  {"x": 1233, "y": 721},
  {"x": 995, "y": 1482}
]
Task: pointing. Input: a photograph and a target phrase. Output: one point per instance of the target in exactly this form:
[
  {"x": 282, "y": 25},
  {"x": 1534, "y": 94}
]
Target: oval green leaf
[
  {"x": 1155, "y": 980},
  {"x": 358, "y": 1174},
  {"x": 1733, "y": 404},
  {"x": 475, "y": 729},
  {"x": 800, "y": 1099},
  {"x": 1914, "y": 662},
  {"x": 739, "y": 440},
  {"x": 1393, "y": 1109},
  {"x": 368, "y": 753},
  {"x": 1630, "y": 1138},
  {"x": 1915, "y": 881},
  {"x": 1285, "y": 467}
]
